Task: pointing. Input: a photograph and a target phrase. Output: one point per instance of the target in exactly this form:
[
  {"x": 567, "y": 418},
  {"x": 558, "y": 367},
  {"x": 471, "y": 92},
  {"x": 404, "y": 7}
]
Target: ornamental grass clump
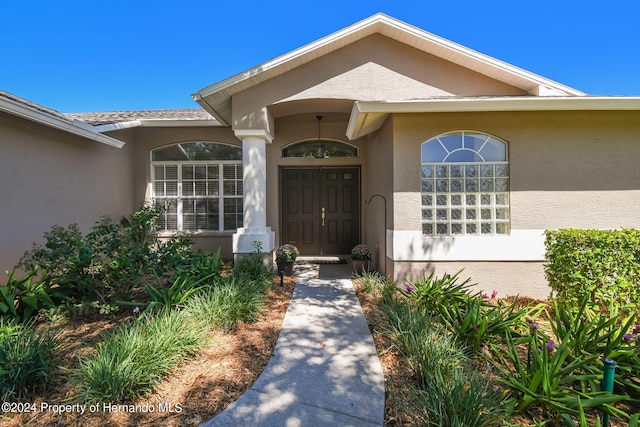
[
  {"x": 136, "y": 356},
  {"x": 447, "y": 388},
  {"x": 236, "y": 298},
  {"x": 26, "y": 359},
  {"x": 253, "y": 266},
  {"x": 464, "y": 399}
]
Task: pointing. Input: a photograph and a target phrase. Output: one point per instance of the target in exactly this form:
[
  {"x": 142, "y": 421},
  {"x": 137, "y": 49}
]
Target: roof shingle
[{"x": 109, "y": 117}]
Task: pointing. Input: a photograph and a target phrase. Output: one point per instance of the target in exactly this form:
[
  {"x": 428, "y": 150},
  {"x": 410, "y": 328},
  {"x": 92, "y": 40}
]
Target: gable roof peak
[{"x": 216, "y": 98}]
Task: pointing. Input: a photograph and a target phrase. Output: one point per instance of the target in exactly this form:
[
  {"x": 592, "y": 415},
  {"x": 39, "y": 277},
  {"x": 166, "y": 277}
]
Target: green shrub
[
  {"x": 26, "y": 359},
  {"x": 600, "y": 266},
  {"x": 68, "y": 258},
  {"x": 110, "y": 260},
  {"x": 136, "y": 356}
]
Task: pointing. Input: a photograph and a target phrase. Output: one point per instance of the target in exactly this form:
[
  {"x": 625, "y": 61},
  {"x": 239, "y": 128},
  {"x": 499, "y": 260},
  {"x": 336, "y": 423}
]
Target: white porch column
[{"x": 254, "y": 166}]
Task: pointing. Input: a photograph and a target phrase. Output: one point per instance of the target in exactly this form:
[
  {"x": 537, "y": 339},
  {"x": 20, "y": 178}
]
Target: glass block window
[
  {"x": 465, "y": 185},
  {"x": 199, "y": 184}
]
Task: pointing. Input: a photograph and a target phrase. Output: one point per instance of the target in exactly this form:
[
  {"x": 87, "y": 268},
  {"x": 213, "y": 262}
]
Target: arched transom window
[
  {"x": 320, "y": 149},
  {"x": 199, "y": 184},
  {"x": 465, "y": 185}
]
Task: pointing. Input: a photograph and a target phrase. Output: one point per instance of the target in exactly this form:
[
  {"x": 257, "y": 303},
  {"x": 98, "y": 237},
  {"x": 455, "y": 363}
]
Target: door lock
[{"x": 323, "y": 216}]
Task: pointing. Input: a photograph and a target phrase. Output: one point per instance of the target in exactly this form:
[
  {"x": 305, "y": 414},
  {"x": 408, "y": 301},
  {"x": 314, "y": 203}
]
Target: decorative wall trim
[{"x": 520, "y": 245}]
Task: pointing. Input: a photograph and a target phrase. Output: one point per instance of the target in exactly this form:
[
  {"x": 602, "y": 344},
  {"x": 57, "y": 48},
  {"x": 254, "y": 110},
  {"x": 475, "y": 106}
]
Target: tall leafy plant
[
  {"x": 547, "y": 377},
  {"x": 21, "y": 298},
  {"x": 169, "y": 294}
]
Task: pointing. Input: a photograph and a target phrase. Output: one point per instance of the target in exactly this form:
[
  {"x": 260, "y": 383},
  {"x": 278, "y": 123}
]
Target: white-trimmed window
[
  {"x": 199, "y": 184},
  {"x": 465, "y": 185}
]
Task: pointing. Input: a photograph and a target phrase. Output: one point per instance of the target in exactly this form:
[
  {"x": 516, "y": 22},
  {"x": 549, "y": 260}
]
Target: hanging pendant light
[{"x": 320, "y": 152}]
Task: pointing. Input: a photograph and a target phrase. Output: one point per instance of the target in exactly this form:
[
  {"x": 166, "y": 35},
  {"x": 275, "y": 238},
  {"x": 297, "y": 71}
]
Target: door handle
[{"x": 323, "y": 216}]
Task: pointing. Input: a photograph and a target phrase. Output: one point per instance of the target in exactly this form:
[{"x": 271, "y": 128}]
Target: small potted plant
[
  {"x": 285, "y": 257},
  {"x": 361, "y": 256}
]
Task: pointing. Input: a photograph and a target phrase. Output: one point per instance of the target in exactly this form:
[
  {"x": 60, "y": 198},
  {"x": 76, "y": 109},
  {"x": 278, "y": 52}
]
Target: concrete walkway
[{"x": 324, "y": 370}]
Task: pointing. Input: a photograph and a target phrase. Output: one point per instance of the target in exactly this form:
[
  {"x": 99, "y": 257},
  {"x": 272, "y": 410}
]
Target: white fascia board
[
  {"x": 179, "y": 123},
  {"x": 356, "y": 121},
  {"x": 83, "y": 130},
  {"x": 117, "y": 126},
  {"x": 158, "y": 123},
  {"x": 553, "y": 103}
]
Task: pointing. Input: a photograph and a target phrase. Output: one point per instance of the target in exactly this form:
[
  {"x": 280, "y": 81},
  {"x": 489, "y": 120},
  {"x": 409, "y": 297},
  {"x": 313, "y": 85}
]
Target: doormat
[{"x": 329, "y": 261}]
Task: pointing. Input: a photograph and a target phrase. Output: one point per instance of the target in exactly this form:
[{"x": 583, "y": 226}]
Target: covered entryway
[{"x": 321, "y": 209}]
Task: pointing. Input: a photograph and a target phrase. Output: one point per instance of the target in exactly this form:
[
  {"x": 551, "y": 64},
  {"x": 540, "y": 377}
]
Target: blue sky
[{"x": 95, "y": 55}]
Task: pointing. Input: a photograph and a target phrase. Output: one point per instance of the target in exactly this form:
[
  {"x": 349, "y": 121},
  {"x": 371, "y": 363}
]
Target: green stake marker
[{"x": 608, "y": 375}]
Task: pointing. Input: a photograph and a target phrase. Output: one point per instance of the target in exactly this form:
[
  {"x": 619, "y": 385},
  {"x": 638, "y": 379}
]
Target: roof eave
[
  {"x": 368, "y": 116},
  {"x": 198, "y": 98},
  {"x": 179, "y": 123},
  {"x": 81, "y": 129}
]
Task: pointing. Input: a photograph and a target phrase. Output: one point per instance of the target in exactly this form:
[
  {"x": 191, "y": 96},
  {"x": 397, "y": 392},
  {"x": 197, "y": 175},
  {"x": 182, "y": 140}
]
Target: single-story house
[{"x": 436, "y": 156}]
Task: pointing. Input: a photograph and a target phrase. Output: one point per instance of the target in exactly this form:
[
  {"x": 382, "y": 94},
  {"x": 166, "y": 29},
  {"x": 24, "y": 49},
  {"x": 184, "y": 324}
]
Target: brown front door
[{"x": 321, "y": 209}]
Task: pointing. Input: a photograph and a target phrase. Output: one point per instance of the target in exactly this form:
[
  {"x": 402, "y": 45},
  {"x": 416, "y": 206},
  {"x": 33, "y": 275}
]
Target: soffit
[{"x": 216, "y": 99}]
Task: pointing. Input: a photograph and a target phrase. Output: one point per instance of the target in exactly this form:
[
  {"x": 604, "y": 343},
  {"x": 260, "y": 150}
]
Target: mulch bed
[{"x": 194, "y": 393}]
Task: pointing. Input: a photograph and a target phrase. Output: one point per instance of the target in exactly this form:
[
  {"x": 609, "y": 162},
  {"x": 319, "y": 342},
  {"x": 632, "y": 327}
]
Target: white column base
[{"x": 244, "y": 240}]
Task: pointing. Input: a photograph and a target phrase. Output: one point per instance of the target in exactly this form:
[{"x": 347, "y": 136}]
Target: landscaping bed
[
  {"x": 113, "y": 328},
  {"x": 455, "y": 357},
  {"x": 193, "y": 393}
]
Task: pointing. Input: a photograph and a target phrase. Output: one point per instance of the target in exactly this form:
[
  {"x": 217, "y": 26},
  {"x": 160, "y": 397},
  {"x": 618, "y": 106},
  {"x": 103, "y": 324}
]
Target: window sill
[{"x": 205, "y": 233}]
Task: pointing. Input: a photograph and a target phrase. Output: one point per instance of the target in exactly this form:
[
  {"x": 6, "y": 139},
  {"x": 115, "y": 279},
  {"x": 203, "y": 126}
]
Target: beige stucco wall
[
  {"x": 507, "y": 278},
  {"x": 50, "y": 177},
  {"x": 374, "y": 68},
  {"x": 567, "y": 169},
  {"x": 378, "y": 181}
]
